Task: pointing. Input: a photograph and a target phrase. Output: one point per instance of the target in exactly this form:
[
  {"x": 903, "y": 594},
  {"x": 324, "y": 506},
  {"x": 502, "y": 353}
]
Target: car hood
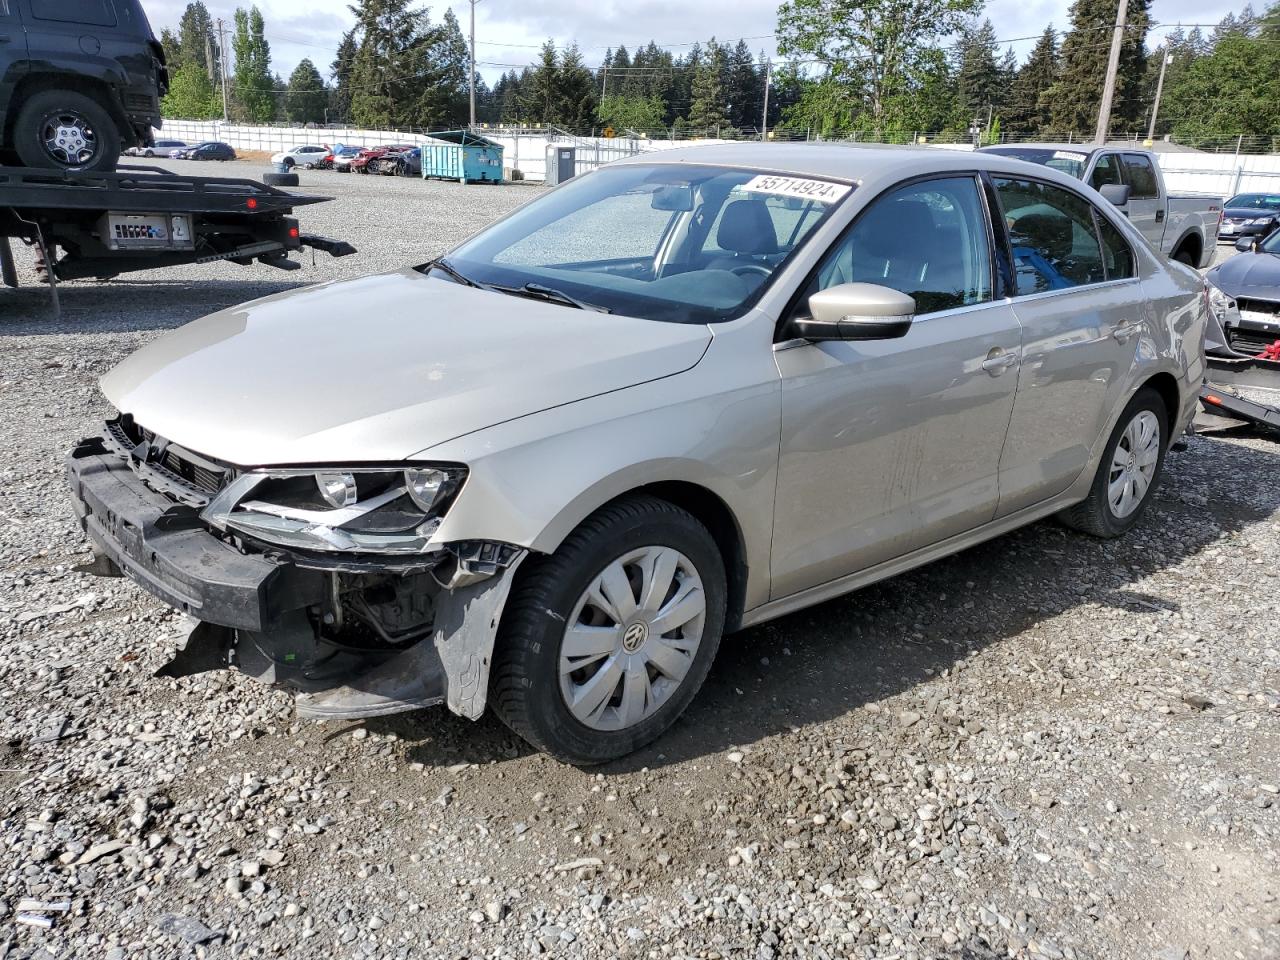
[
  {"x": 381, "y": 368},
  {"x": 1248, "y": 213},
  {"x": 1254, "y": 275}
]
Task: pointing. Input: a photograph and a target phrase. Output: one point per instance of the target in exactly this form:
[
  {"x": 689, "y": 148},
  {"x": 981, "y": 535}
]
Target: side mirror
[
  {"x": 1115, "y": 193},
  {"x": 856, "y": 311},
  {"x": 1248, "y": 244}
]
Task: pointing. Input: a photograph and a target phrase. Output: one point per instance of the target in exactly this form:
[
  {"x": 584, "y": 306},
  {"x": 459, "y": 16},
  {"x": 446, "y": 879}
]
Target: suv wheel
[
  {"x": 1129, "y": 472},
  {"x": 605, "y": 642},
  {"x": 66, "y": 131}
]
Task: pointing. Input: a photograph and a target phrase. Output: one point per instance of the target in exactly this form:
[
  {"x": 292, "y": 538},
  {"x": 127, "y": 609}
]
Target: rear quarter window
[{"x": 99, "y": 13}]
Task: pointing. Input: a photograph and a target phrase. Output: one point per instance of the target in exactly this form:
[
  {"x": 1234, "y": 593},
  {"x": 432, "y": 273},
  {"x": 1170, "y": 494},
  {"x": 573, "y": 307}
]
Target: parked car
[
  {"x": 1184, "y": 226},
  {"x": 341, "y": 159},
  {"x": 369, "y": 160},
  {"x": 78, "y": 82},
  {"x": 304, "y": 155},
  {"x": 1245, "y": 294},
  {"x": 1250, "y": 215},
  {"x": 208, "y": 150},
  {"x": 686, "y": 395},
  {"x": 402, "y": 163},
  {"x": 160, "y": 148}
]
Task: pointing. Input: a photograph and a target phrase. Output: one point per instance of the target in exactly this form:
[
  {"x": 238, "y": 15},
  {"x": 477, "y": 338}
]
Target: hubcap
[
  {"x": 69, "y": 139},
  {"x": 1133, "y": 465},
  {"x": 631, "y": 638}
]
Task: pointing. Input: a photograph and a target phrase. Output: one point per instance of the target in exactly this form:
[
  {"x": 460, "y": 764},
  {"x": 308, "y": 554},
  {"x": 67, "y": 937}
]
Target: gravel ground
[{"x": 1047, "y": 746}]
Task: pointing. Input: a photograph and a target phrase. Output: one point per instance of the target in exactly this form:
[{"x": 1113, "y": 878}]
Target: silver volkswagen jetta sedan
[{"x": 687, "y": 393}]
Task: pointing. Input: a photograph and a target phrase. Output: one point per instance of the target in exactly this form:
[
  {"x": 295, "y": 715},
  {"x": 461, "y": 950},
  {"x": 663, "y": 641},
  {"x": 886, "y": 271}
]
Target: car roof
[
  {"x": 855, "y": 163},
  {"x": 1085, "y": 148}
]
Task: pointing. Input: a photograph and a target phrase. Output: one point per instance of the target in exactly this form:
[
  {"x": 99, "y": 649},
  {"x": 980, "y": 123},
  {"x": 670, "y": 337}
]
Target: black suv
[{"x": 79, "y": 80}]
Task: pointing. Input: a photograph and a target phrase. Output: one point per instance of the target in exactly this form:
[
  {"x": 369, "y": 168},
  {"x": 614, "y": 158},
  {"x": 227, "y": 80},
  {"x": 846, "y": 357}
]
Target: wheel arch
[
  {"x": 1165, "y": 384},
  {"x": 93, "y": 87},
  {"x": 1190, "y": 243}
]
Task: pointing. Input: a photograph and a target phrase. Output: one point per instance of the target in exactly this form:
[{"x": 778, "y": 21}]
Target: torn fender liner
[{"x": 453, "y": 667}]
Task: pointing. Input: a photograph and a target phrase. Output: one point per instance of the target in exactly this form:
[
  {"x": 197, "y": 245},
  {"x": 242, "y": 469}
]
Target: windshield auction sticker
[
  {"x": 1069, "y": 155},
  {"x": 822, "y": 191}
]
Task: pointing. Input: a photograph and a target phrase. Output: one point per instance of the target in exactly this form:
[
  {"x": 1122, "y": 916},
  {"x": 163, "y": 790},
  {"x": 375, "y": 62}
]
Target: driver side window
[{"x": 927, "y": 239}]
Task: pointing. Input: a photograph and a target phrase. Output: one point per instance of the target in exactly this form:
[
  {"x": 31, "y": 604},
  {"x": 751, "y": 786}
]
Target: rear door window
[
  {"x": 99, "y": 13},
  {"x": 1142, "y": 177},
  {"x": 1052, "y": 234}
]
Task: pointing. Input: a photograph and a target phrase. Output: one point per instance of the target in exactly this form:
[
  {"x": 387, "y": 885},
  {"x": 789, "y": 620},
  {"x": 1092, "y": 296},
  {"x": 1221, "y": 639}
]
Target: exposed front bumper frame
[{"x": 250, "y": 610}]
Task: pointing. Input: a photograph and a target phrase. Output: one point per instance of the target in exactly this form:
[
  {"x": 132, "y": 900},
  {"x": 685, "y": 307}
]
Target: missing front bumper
[{"x": 281, "y": 621}]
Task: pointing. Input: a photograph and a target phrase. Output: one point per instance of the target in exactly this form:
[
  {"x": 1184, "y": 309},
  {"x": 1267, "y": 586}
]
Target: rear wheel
[
  {"x": 1129, "y": 472},
  {"x": 605, "y": 642},
  {"x": 61, "y": 130},
  {"x": 1184, "y": 256}
]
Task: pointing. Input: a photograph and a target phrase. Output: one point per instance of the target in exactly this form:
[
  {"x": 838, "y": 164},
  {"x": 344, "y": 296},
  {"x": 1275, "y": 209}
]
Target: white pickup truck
[{"x": 1183, "y": 226}]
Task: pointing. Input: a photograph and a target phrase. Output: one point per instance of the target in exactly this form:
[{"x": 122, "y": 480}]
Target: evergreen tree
[
  {"x": 978, "y": 78},
  {"x": 445, "y": 61},
  {"x": 341, "y": 71},
  {"x": 540, "y": 88},
  {"x": 196, "y": 39},
  {"x": 577, "y": 99},
  {"x": 387, "y": 70},
  {"x": 172, "y": 50},
  {"x": 1076, "y": 95},
  {"x": 744, "y": 88},
  {"x": 191, "y": 96},
  {"x": 507, "y": 94},
  {"x": 307, "y": 96},
  {"x": 1244, "y": 24},
  {"x": 1028, "y": 109},
  {"x": 707, "y": 115},
  {"x": 254, "y": 88}
]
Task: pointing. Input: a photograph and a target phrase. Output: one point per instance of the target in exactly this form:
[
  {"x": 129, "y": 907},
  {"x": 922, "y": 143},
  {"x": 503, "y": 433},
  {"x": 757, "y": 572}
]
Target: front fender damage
[{"x": 449, "y": 664}]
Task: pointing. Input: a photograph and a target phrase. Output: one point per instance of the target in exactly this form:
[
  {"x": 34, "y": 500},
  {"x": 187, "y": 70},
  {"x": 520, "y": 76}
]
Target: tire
[
  {"x": 280, "y": 179},
  {"x": 527, "y": 689},
  {"x": 288, "y": 162},
  {"x": 1097, "y": 514},
  {"x": 61, "y": 130},
  {"x": 1184, "y": 256},
  {"x": 148, "y": 153}
]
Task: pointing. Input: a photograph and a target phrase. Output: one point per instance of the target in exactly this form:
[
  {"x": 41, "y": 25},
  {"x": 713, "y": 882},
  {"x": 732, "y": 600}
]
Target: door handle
[
  {"x": 998, "y": 363},
  {"x": 1159, "y": 216},
  {"x": 1123, "y": 332}
]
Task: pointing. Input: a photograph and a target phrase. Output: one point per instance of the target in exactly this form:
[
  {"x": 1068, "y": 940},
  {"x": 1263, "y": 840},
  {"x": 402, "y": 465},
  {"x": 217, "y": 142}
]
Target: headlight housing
[
  {"x": 1219, "y": 303},
  {"x": 382, "y": 510}
]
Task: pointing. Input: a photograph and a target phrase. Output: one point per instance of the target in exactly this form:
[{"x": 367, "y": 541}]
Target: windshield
[
  {"x": 1256, "y": 201},
  {"x": 677, "y": 242},
  {"x": 1070, "y": 162}
]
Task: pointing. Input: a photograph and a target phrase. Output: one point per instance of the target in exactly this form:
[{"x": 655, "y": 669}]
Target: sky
[{"x": 509, "y": 33}]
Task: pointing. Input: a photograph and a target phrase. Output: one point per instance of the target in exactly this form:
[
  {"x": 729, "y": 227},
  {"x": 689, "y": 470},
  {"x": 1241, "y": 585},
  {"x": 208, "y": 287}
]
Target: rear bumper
[{"x": 165, "y": 549}]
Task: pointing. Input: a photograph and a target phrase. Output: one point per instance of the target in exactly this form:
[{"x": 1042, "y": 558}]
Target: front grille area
[
  {"x": 1249, "y": 341},
  {"x": 178, "y": 473},
  {"x": 139, "y": 101}
]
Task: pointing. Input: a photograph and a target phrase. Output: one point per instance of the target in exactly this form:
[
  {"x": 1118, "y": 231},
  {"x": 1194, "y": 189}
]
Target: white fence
[{"x": 1219, "y": 174}]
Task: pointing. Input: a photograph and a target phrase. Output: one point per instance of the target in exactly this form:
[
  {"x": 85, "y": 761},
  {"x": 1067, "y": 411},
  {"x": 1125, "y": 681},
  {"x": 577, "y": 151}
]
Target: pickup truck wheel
[
  {"x": 605, "y": 642},
  {"x": 1184, "y": 256},
  {"x": 1129, "y": 472},
  {"x": 61, "y": 130}
]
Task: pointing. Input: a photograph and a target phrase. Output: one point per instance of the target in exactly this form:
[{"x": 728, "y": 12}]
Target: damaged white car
[{"x": 674, "y": 397}]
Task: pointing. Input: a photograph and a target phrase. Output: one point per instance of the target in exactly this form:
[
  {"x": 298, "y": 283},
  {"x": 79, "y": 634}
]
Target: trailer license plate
[{"x": 146, "y": 231}]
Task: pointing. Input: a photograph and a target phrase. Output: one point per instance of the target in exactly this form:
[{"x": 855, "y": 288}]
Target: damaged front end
[{"x": 323, "y": 581}]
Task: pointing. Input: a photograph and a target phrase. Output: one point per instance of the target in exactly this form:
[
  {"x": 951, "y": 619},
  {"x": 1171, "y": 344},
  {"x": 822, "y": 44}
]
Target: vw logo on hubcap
[{"x": 635, "y": 636}]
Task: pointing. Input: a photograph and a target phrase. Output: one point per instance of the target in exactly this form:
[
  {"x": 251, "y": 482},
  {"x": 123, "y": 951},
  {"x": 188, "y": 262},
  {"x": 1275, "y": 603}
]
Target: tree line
[{"x": 874, "y": 69}]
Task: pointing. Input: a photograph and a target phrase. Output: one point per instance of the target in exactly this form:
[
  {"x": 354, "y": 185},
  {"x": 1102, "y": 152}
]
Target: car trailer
[
  {"x": 1231, "y": 369},
  {"x": 89, "y": 224}
]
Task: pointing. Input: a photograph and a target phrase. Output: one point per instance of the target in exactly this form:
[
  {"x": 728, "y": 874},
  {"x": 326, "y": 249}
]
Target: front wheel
[
  {"x": 605, "y": 642},
  {"x": 1129, "y": 472}
]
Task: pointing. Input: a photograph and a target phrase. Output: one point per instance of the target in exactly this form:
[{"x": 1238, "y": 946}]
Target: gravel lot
[{"x": 1047, "y": 746}]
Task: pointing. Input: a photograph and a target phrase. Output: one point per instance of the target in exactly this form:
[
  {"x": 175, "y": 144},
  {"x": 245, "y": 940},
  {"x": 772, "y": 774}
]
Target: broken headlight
[
  {"x": 1219, "y": 303},
  {"x": 388, "y": 510}
]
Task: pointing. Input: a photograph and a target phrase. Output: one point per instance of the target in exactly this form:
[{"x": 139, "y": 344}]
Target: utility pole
[
  {"x": 472, "y": 79},
  {"x": 222, "y": 64},
  {"x": 604, "y": 81},
  {"x": 764, "y": 118},
  {"x": 1155, "y": 107},
  {"x": 1113, "y": 67},
  {"x": 208, "y": 56}
]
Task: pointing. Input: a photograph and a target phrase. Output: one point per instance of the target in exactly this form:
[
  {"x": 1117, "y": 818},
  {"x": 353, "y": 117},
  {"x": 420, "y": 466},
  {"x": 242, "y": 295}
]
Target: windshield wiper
[
  {"x": 537, "y": 291},
  {"x": 445, "y": 267}
]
